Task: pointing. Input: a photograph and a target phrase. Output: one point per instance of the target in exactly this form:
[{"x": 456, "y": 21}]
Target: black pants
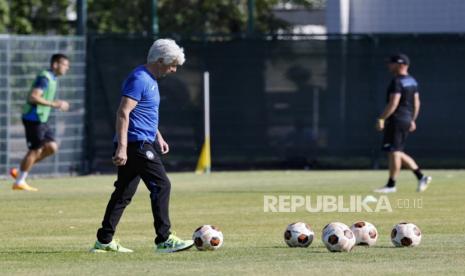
[{"x": 143, "y": 162}]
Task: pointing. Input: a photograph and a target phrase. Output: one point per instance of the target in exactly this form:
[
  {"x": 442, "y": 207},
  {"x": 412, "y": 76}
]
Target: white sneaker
[
  {"x": 423, "y": 183},
  {"x": 385, "y": 190}
]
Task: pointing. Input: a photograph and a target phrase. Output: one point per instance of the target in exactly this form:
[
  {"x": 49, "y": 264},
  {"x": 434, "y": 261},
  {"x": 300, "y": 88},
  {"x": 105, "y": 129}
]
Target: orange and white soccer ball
[
  {"x": 406, "y": 234},
  {"x": 365, "y": 233},
  {"x": 207, "y": 237},
  {"x": 337, "y": 237},
  {"x": 298, "y": 234}
]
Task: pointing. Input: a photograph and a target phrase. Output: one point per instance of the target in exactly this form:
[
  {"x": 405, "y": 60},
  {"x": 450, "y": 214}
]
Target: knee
[
  {"x": 161, "y": 186},
  {"x": 167, "y": 184},
  {"x": 34, "y": 153},
  {"x": 51, "y": 147},
  {"x": 126, "y": 201},
  {"x": 121, "y": 198}
]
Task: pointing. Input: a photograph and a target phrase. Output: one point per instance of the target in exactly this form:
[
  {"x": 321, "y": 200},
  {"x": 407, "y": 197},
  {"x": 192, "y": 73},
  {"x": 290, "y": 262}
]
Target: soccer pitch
[{"x": 50, "y": 232}]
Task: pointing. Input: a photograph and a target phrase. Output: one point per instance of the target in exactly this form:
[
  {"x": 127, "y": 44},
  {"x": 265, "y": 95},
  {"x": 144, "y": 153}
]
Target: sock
[
  {"x": 418, "y": 173},
  {"x": 391, "y": 183},
  {"x": 21, "y": 177}
]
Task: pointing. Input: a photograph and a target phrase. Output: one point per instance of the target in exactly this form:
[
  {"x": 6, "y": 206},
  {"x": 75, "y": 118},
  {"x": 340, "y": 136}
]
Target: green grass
[{"x": 50, "y": 232}]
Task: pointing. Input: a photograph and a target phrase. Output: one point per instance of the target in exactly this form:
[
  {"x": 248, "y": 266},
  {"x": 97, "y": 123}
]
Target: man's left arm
[
  {"x": 165, "y": 148},
  {"x": 394, "y": 99}
]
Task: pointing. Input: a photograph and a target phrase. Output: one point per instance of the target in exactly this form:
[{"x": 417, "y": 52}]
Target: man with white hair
[{"x": 138, "y": 145}]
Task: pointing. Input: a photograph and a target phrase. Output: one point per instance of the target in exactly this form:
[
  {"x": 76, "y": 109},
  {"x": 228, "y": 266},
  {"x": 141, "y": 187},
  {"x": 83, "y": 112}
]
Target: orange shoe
[
  {"x": 24, "y": 187},
  {"x": 14, "y": 172}
]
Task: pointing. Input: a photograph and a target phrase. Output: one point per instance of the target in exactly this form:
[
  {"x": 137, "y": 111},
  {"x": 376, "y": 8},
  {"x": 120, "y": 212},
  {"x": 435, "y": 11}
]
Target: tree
[
  {"x": 184, "y": 17},
  {"x": 203, "y": 16},
  {"x": 34, "y": 16},
  {"x": 4, "y": 16},
  {"x": 119, "y": 16}
]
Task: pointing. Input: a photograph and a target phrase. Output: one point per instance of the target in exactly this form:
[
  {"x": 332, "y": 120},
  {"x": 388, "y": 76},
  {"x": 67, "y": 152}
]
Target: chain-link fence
[
  {"x": 21, "y": 58},
  {"x": 302, "y": 103}
]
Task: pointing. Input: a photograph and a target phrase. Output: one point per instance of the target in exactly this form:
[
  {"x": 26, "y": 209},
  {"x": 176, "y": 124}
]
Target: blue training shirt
[{"x": 142, "y": 87}]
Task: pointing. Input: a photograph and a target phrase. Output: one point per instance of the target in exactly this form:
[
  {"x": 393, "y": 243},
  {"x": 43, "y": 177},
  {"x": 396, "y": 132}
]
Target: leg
[
  {"x": 26, "y": 164},
  {"x": 49, "y": 148},
  {"x": 125, "y": 188},
  {"x": 409, "y": 162},
  {"x": 412, "y": 165},
  {"x": 41, "y": 143},
  {"x": 395, "y": 164},
  {"x": 30, "y": 159},
  {"x": 36, "y": 155},
  {"x": 396, "y": 133},
  {"x": 156, "y": 180},
  {"x": 393, "y": 159}
]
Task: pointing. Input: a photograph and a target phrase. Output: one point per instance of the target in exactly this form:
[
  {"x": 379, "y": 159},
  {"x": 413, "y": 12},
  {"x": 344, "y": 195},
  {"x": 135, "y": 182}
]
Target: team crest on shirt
[{"x": 149, "y": 155}]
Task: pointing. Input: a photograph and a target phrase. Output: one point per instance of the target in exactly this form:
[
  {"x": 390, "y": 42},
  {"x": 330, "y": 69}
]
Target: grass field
[{"x": 50, "y": 232}]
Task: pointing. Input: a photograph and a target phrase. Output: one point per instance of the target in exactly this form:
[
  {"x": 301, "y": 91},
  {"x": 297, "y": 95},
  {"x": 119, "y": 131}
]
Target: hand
[
  {"x": 165, "y": 148},
  {"x": 413, "y": 126},
  {"x": 64, "y": 106},
  {"x": 61, "y": 105},
  {"x": 121, "y": 156},
  {"x": 380, "y": 124}
]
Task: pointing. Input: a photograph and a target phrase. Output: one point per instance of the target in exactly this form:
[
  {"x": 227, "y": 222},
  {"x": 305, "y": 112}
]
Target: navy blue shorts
[{"x": 37, "y": 134}]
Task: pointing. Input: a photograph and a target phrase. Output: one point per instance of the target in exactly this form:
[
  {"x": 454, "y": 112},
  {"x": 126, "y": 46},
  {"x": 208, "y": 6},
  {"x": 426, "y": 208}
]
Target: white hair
[{"x": 167, "y": 50}]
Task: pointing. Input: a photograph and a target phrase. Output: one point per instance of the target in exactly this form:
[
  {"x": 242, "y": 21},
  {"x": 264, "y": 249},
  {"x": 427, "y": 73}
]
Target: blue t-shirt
[{"x": 142, "y": 87}]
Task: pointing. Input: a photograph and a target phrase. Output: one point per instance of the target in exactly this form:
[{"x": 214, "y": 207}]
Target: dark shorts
[
  {"x": 37, "y": 134},
  {"x": 395, "y": 135}
]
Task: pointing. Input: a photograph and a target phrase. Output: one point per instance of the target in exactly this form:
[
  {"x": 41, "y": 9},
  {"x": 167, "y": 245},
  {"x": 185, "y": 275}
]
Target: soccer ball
[
  {"x": 207, "y": 237},
  {"x": 365, "y": 233},
  {"x": 406, "y": 234},
  {"x": 337, "y": 237},
  {"x": 298, "y": 234}
]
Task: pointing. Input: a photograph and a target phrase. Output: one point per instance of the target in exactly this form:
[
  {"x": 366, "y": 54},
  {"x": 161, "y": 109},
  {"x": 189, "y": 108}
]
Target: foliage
[{"x": 122, "y": 16}]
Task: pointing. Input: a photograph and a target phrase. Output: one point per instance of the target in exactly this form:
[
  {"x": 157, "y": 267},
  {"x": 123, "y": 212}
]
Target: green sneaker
[
  {"x": 113, "y": 246},
  {"x": 173, "y": 244}
]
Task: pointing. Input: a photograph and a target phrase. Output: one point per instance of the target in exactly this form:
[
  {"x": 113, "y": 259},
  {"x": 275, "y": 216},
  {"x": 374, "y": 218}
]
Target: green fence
[{"x": 306, "y": 102}]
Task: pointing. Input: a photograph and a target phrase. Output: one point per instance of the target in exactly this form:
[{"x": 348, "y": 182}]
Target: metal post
[
  {"x": 316, "y": 112},
  {"x": 251, "y": 17},
  {"x": 206, "y": 79},
  {"x": 206, "y": 83},
  {"x": 56, "y": 159},
  {"x": 204, "y": 163},
  {"x": 155, "y": 28},
  {"x": 81, "y": 17},
  {"x": 9, "y": 103}
]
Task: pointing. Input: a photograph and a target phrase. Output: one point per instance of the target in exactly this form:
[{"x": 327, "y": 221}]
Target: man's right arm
[
  {"x": 416, "y": 111},
  {"x": 36, "y": 98},
  {"x": 122, "y": 124},
  {"x": 416, "y": 106}
]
